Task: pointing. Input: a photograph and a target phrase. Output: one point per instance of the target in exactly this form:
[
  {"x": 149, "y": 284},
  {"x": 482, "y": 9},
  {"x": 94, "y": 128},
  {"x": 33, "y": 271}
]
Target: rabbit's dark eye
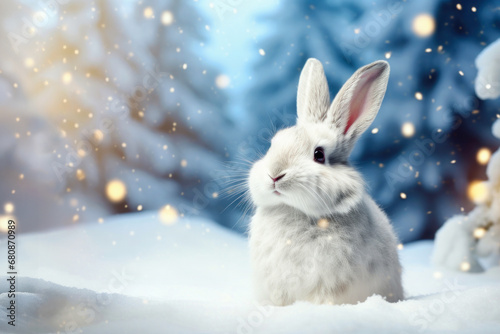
[{"x": 319, "y": 155}]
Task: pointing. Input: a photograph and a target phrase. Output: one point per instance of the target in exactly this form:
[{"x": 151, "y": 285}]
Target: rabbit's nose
[{"x": 276, "y": 179}]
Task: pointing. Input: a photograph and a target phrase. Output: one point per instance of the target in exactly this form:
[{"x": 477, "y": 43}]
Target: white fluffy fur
[{"x": 322, "y": 238}]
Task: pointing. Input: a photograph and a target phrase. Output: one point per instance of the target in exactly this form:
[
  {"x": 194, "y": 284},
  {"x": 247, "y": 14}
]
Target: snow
[
  {"x": 455, "y": 245},
  {"x": 488, "y": 76},
  {"x": 133, "y": 274}
]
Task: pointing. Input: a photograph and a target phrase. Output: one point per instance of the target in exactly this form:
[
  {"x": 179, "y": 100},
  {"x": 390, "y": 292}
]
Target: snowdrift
[{"x": 133, "y": 274}]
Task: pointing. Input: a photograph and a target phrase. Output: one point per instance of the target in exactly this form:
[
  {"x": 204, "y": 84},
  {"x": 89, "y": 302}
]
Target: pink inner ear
[{"x": 360, "y": 96}]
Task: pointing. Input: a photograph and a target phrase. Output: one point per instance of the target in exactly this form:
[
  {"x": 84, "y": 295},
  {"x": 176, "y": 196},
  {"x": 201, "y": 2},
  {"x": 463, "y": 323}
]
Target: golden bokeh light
[
  {"x": 81, "y": 152},
  {"x": 323, "y": 223},
  {"x": 149, "y": 13},
  {"x": 479, "y": 232},
  {"x": 419, "y": 96},
  {"x": 423, "y": 25},
  {"x": 29, "y": 62},
  {"x": 167, "y": 18},
  {"x": 465, "y": 266},
  {"x": 67, "y": 77},
  {"x": 408, "y": 129},
  {"x": 478, "y": 192},
  {"x": 98, "y": 135},
  {"x": 116, "y": 191},
  {"x": 483, "y": 156},
  {"x": 4, "y": 222},
  {"x": 80, "y": 175},
  {"x": 168, "y": 215},
  {"x": 8, "y": 207}
]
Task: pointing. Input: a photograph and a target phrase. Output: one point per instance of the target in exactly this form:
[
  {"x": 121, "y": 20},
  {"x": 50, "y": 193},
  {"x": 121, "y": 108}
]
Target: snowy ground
[{"x": 133, "y": 274}]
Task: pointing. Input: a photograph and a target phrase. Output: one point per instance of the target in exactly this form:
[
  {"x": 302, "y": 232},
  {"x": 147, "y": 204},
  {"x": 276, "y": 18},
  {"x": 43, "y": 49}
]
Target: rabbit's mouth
[{"x": 276, "y": 192}]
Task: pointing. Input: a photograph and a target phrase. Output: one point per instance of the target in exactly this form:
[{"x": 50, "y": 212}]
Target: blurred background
[{"x": 115, "y": 106}]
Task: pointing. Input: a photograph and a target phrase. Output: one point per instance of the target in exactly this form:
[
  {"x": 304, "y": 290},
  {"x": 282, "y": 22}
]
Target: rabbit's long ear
[
  {"x": 313, "y": 97},
  {"x": 358, "y": 101}
]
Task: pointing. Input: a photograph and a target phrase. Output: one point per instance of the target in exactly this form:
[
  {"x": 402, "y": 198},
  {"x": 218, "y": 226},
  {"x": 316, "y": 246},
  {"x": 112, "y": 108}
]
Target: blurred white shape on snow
[
  {"x": 475, "y": 238},
  {"x": 464, "y": 242},
  {"x": 488, "y": 75}
]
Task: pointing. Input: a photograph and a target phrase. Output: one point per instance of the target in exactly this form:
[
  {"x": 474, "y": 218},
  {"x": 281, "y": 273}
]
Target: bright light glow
[
  {"x": 419, "y": 96},
  {"x": 98, "y": 135},
  {"x": 149, "y": 13},
  {"x": 423, "y": 25},
  {"x": 29, "y": 62},
  {"x": 222, "y": 81},
  {"x": 80, "y": 174},
  {"x": 67, "y": 78},
  {"x": 4, "y": 222},
  {"x": 465, "y": 266},
  {"x": 8, "y": 207},
  {"x": 262, "y": 52},
  {"x": 479, "y": 232},
  {"x": 116, "y": 190},
  {"x": 323, "y": 223},
  {"x": 167, "y": 18},
  {"x": 168, "y": 215},
  {"x": 478, "y": 192},
  {"x": 483, "y": 156},
  {"x": 408, "y": 129}
]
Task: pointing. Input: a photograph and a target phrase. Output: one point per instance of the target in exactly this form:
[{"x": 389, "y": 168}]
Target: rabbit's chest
[{"x": 298, "y": 246}]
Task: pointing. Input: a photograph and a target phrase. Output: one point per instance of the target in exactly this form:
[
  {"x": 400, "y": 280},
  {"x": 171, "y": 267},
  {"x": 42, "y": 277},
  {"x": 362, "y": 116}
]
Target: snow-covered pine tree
[
  {"x": 419, "y": 156},
  {"x": 123, "y": 87}
]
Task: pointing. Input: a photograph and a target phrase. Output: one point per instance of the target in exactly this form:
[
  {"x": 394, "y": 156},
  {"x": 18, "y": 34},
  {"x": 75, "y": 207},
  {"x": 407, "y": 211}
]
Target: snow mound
[
  {"x": 488, "y": 76},
  {"x": 473, "y": 241},
  {"x": 134, "y": 274},
  {"x": 496, "y": 129}
]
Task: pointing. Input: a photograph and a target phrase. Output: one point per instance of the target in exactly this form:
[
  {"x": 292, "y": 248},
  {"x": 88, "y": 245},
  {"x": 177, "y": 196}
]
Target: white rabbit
[{"x": 316, "y": 234}]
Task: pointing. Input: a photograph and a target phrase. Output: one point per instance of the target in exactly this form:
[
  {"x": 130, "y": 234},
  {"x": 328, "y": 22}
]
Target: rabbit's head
[{"x": 307, "y": 166}]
